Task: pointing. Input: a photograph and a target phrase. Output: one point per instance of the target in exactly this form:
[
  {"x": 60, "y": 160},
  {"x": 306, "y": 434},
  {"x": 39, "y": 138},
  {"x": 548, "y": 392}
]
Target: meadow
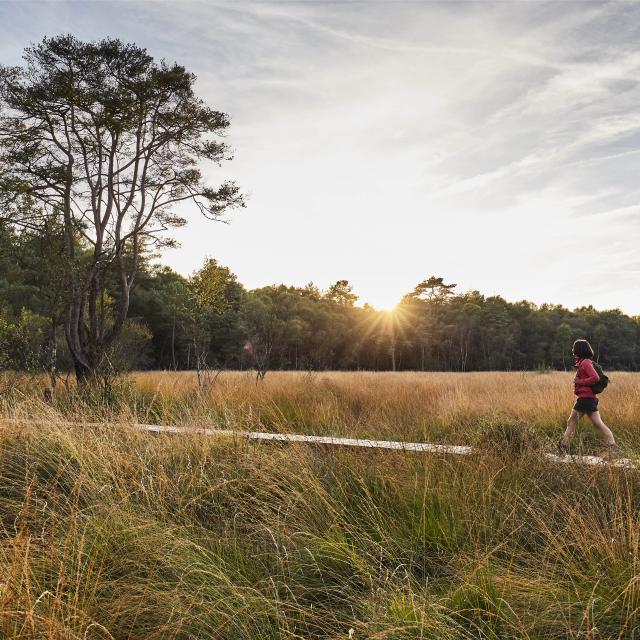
[
  {"x": 454, "y": 408},
  {"x": 109, "y": 532}
]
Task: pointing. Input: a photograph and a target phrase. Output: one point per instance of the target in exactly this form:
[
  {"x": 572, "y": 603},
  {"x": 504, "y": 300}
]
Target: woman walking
[{"x": 587, "y": 401}]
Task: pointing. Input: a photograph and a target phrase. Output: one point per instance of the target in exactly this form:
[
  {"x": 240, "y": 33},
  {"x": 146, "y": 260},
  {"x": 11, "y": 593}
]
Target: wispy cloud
[{"x": 383, "y": 142}]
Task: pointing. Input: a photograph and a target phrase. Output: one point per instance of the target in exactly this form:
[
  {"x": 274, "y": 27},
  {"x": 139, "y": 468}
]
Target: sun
[{"x": 382, "y": 302}]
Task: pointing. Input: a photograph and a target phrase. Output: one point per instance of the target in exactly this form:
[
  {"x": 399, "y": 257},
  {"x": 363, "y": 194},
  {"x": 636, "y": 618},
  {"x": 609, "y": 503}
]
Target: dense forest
[{"x": 210, "y": 321}]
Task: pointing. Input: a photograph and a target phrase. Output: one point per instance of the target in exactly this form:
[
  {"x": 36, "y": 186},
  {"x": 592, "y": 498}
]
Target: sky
[{"x": 495, "y": 144}]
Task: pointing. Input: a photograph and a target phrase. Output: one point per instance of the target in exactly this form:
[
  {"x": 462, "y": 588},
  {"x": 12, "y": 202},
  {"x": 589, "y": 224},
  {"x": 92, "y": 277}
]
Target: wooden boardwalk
[{"x": 396, "y": 445}]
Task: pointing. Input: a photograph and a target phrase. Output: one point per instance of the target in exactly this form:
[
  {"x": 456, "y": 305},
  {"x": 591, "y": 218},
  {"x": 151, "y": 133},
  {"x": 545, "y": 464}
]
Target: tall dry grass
[
  {"x": 106, "y": 532},
  {"x": 110, "y": 533},
  {"x": 455, "y": 408},
  {"x": 448, "y": 407}
]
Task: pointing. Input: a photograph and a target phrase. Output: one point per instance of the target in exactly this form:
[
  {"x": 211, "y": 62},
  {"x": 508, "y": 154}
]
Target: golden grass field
[
  {"x": 447, "y": 407},
  {"x": 106, "y": 532}
]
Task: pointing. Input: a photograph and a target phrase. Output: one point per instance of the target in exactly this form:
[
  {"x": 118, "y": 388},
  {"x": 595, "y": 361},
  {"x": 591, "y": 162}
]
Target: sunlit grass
[
  {"x": 106, "y": 532},
  {"x": 110, "y": 533},
  {"x": 437, "y": 407}
]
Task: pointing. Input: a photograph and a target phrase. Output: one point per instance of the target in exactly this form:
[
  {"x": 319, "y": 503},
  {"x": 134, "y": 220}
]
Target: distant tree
[
  {"x": 161, "y": 298},
  {"x": 264, "y": 330},
  {"x": 562, "y": 343},
  {"x": 390, "y": 323},
  {"x": 31, "y": 279},
  {"x": 39, "y": 254},
  {"x": 467, "y": 327},
  {"x": 310, "y": 290},
  {"x": 419, "y": 307},
  {"x": 341, "y": 292},
  {"x": 213, "y": 290},
  {"x": 498, "y": 334},
  {"x": 291, "y": 327},
  {"x": 131, "y": 350},
  {"x": 433, "y": 288},
  {"x": 106, "y": 141},
  {"x": 22, "y": 342}
]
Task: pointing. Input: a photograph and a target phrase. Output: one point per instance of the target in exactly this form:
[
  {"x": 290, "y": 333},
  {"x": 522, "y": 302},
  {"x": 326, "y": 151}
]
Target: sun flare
[{"x": 383, "y": 302}]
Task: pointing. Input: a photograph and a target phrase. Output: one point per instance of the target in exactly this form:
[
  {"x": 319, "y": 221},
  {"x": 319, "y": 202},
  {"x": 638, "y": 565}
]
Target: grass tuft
[{"x": 106, "y": 532}]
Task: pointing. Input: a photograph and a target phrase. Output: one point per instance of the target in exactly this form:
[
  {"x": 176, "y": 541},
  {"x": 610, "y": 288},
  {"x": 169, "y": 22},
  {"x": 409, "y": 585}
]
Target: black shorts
[{"x": 586, "y": 405}]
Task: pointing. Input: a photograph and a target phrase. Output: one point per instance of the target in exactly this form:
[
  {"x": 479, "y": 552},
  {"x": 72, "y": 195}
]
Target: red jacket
[{"x": 586, "y": 375}]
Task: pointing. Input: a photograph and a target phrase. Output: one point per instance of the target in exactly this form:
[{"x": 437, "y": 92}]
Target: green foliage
[
  {"x": 210, "y": 317},
  {"x": 23, "y": 342},
  {"x": 341, "y": 292},
  {"x": 298, "y": 329},
  {"x": 98, "y": 145},
  {"x": 130, "y": 351},
  {"x": 433, "y": 288},
  {"x": 114, "y": 533}
]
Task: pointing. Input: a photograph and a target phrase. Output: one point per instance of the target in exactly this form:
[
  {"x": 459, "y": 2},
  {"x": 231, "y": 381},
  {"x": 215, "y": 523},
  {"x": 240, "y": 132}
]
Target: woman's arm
[{"x": 592, "y": 374}]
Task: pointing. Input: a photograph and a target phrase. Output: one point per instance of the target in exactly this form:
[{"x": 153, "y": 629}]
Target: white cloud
[{"x": 384, "y": 142}]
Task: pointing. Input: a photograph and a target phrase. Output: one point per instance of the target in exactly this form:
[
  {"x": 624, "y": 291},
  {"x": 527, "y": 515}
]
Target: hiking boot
[{"x": 563, "y": 449}]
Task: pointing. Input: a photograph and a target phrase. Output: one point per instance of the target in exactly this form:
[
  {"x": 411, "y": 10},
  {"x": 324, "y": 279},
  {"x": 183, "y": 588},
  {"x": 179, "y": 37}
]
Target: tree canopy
[
  {"x": 100, "y": 142},
  {"x": 211, "y": 321}
]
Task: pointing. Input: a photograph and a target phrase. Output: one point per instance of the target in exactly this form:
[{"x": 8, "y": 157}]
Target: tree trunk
[
  {"x": 84, "y": 374},
  {"x": 173, "y": 343},
  {"x": 72, "y": 336},
  {"x": 52, "y": 353}
]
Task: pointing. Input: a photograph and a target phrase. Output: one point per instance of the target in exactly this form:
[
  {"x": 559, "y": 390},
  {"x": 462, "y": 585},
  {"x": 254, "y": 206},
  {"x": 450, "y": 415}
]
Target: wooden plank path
[
  {"x": 418, "y": 447},
  {"x": 424, "y": 447}
]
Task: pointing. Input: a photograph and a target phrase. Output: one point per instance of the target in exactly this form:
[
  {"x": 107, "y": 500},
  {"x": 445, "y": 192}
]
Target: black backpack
[{"x": 601, "y": 385}]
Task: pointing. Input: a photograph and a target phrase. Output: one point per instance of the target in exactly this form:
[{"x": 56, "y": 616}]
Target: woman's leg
[
  {"x": 597, "y": 422},
  {"x": 572, "y": 423}
]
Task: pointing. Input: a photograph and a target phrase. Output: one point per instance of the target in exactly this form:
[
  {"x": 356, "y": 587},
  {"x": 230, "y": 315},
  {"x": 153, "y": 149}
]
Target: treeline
[
  {"x": 98, "y": 144},
  {"x": 210, "y": 321}
]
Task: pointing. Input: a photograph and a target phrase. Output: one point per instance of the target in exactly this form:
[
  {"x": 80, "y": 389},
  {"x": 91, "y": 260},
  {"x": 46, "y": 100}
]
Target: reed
[
  {"x": 106, "y": 532},
  {"x": 455, "y": 408}
]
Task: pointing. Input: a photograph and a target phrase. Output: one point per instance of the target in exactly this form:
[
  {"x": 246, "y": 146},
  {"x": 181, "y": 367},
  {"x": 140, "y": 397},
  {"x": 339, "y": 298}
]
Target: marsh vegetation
[{"x": 112, "y": 533}]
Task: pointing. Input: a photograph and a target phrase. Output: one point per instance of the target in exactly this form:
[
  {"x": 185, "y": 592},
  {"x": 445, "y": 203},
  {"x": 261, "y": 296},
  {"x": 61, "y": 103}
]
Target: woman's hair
[{"x": 582, "y": 349}]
